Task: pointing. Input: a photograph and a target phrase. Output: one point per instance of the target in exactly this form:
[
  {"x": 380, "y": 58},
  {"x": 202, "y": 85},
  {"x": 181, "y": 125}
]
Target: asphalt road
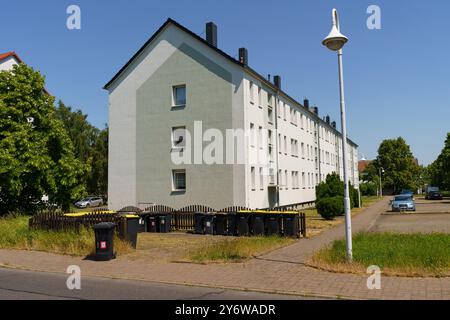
[{"x": 26, "y": 285}]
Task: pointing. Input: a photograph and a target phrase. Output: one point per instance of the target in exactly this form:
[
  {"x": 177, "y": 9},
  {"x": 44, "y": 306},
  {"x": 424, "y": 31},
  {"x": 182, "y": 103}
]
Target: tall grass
[
  {"x": 15, "y": 234},
  {"x": 237, "y": 249},
  {"x": 404, "y": 254}
]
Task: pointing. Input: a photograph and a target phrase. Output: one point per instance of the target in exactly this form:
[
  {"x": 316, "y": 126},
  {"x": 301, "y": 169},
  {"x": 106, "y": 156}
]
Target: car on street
[
  {"x": 433, "y": 193},
  {"x": 403, "y": 203},
  {"x": 89, "y": 202}
]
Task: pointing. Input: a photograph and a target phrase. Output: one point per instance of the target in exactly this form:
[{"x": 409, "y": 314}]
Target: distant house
[{"x": 8, "y": 60}]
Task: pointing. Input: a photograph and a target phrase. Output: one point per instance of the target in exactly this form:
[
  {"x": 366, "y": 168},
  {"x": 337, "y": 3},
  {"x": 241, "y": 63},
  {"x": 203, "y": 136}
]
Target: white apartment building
[{"x": 178, "y": 80}]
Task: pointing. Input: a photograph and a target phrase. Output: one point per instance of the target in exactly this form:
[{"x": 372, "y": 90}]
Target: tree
[
  {"x": 91, "y": 148},
  {"x": 401, "y": 170},
  {"x": 438, "y": 172},
  {"x": 36, "y": 154},
  {"x": 98, "y": 179}
]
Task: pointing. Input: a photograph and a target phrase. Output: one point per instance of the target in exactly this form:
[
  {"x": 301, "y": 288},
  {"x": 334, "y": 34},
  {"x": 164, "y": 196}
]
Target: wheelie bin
[
  {"x": 163, "y": 222},
  {"x": 104, "y": 241},
  {"x": 291, "y": 224},
  {"x": 199, "y": 223},
  {"x": 220, "y": 224},
  {"x": 273, "y": 223},
  {"x": 208, "y": 224},
  {"x": 242, "y": 222},
  {"x": 257, "y": 223}
]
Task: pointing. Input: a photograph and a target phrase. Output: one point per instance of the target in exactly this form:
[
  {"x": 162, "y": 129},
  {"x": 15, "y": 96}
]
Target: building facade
[
  {"x": 189, "y": 124},
  {"x": 8, "y": 60}
]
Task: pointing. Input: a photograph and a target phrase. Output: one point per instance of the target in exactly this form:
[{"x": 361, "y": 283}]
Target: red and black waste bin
[
  {"x": 151, "y": 223},
  {"x": 104, "y": 241}
]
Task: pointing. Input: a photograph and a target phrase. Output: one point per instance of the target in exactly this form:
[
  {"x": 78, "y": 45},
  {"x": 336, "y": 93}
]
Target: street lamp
[
  {"x": 335, "y": 41},
  {"x": 381, "y": 184}
]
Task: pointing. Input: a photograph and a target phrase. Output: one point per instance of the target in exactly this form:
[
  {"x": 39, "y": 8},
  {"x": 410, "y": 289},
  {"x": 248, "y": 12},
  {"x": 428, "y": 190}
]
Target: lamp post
[
  {"x": 335, "y": 41},
  {"x": 381, "y": 184}
]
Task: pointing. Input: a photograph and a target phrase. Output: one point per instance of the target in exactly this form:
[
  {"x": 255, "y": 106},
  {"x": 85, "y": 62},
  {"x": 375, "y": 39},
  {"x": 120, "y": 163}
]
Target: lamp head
[{"x": 335, "y": 40}]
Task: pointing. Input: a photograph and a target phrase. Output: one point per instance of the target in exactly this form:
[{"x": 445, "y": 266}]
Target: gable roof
[
  {"x": 6, "y": 55},
  {"x": 226, "y": 56}
]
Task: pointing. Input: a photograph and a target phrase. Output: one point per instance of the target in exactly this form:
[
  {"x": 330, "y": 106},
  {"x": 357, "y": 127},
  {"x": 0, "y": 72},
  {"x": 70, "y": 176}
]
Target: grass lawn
[
  {"x": 237, "y": 249},
  {"x": 396, "y": 254},
  {"x": 315, "y": 224},
  {"x": 15, "y": 234}
]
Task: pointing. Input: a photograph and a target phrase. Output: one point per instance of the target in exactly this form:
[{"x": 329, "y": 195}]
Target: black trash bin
[
  {"x": 231, "y": 224},
  {"x": 104, "y": 241},
  {"x": 151, "y": 223},
  {"x": 132, "y": 229},
  {"x": 220, "y": 224},
  {"x": 242, "y": 223},
  {"x": 257, "y": 223},
  {"x": 273, "y": 224},
  {"x": 164, "y": 223},
  {"x": 291, "y": 224},
  {"x": 208, "y": 223},
  {"x": 199, "y": 223}
]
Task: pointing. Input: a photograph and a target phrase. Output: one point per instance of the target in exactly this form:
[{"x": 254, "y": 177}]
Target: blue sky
[{"x": 397, "y": 78}]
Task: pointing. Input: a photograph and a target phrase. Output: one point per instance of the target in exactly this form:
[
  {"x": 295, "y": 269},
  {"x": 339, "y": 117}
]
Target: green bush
[
  {"x": 369, "y": 189},
  {"x": 331, "y": 207}
]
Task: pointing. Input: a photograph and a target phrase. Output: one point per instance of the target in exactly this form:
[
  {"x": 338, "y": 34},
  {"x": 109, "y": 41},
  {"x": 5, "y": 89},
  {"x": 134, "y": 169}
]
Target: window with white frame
[
  {"x": 279, "y": 143},
  {"x": 252, "y": 92},
  {"x": 178, "y": 137},
  {"x": 179, "y": 96},
  {"x": 259, "y": 97},
  {"x": 179, "y": 180},
  {"x": 252, "y": 135},
  {"x": 286, "y": 182},
  {"x": 285, "y": 145},
  {"x": 253, "y": 178},
  {"x": 303, "y": 150},
  {"x": 261, "y": 179},
  {"x": 303, "y": 180},
  {"x": 286, "y": 107},
  {"x": 270, "y": 114},
  {"x": 260, "y": 137}
]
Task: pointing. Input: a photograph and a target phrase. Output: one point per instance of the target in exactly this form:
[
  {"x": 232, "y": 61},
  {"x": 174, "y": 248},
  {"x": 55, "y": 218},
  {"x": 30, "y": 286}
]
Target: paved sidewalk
[{"x": 281, "y": 271}]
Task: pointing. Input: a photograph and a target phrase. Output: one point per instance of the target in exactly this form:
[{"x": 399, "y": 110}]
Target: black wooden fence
[{"x": 181, "y": 220}]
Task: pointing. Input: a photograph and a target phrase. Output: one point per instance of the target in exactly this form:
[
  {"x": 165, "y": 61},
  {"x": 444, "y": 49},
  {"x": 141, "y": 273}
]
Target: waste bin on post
[
  {"x": 199, "y": 223},
  {"x": 104, "y": 241},
  {"x": 291, "y": 224},
  {"x": 273, "y": 223},
  {"x": 208, "y": 223},
  {"x": 220, "y": 224},
  {"x": 164, "y": 222},
  {"x": 257, "y": 223},
  {"x": 242, "y": 221}
]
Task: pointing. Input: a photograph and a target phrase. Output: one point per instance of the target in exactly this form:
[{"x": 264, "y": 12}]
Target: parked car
[
  {"x": 89, "y": 202},
  {"x": 402, "y": 203},
  {"x": 433, "y": 193}
]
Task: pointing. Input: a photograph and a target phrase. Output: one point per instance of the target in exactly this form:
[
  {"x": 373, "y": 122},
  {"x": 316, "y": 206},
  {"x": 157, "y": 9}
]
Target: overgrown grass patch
[
  {"x": 395, "y": 254},
  {"x": 15, "y": 234},
  {"x": 237, "y": 249}
]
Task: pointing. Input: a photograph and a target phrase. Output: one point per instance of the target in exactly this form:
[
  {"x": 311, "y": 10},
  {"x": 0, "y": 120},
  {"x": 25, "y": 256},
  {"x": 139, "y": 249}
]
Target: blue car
[{"x": 403, "y": 203}]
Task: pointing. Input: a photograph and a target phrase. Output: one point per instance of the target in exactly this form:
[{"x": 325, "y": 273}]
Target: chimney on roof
[
  {"x": 327, "y": 119},
  {"x": 243, "y": 56},
  {"x": 333, "y": 124},
  {"x": 316, "y": 110},
  {"x": 306, "y": 103},
  {"x": 268, "y": 77},
  {"x": 211, "y": 34},
  {"x": 277, "y": 82}
]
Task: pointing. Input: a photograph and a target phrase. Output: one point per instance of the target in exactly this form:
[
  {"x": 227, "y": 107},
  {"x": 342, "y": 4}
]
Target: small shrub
[
  {"x": 329, "y": 208},
  {"x": 368, "y": 189}
]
